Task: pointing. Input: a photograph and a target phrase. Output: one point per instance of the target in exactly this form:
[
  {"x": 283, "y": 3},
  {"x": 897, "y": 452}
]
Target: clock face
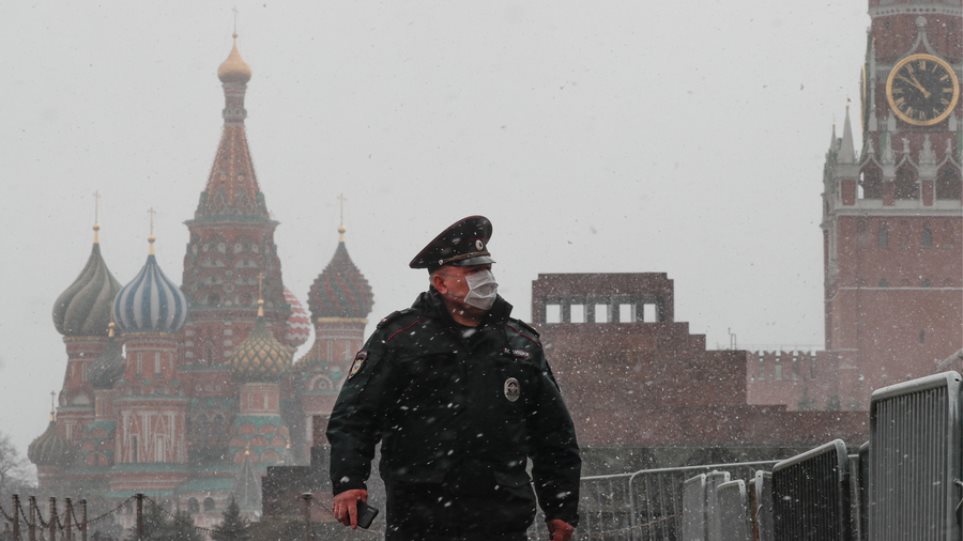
[{"x": 922, "y": 89}]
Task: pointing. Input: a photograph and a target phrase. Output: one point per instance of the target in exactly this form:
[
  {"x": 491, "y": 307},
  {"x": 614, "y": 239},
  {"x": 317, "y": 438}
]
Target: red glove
[
  {"x": 346, "y": 506},
  {"x": 559, "y": 530}
]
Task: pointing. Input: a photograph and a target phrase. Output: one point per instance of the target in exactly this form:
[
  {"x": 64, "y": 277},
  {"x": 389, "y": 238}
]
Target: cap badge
[
  {"x": 512, "y": 389},
  {"x": 479, "y": 245},
  {"x": 358, "y": 363}
]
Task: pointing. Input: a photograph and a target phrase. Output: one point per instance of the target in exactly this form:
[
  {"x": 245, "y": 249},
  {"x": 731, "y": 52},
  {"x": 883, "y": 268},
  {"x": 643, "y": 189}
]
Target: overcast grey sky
[{"x": 684, "y": 137}]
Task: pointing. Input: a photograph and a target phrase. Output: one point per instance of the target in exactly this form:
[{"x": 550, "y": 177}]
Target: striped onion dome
[
  {"x": 83, "y": 309},
  {"x": 51, "y": 449},
  {"x": 150, "y": 302},
  {"x": 340, "y": 290},
  {"x": 260, "y": 357},
  {"x": 298, "y": 324}
]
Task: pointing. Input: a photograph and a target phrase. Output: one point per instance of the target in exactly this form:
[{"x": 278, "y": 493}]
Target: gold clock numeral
[{"x": 945, "y": 77}]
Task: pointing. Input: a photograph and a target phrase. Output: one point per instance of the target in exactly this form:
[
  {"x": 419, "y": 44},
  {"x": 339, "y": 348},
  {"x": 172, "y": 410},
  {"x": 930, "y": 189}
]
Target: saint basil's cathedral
[{"x": 187, "y": 394}]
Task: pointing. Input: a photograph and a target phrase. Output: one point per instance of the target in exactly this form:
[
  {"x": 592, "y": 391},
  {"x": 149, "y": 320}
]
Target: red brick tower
[
  {"x": 231, "y": 242},
  {"x": 893, "y": 244}
]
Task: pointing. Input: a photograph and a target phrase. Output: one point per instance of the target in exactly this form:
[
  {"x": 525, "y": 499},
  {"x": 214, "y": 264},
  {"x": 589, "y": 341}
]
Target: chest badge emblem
[{"x": 512, "y": 389}]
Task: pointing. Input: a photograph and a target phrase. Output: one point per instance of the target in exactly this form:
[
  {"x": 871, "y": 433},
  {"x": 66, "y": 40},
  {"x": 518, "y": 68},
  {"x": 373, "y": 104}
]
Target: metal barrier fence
[
  {"x": 811, "y": 495},
  {"x": 694, "y": 508},
  {"x": 733, "y": 511},
  {"x": 645, "y": 505},
  {"x": 761, "y": 507},
  {"x": 914, "y": 460}
]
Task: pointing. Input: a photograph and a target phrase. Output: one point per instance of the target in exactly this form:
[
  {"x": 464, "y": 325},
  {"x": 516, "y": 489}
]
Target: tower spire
[{"x": 847, "y": 150}]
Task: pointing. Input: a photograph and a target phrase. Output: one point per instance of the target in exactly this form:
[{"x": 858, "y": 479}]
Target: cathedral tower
[
  {"x": 340, "y": 300},
  {"x": 151, "y": 403},
  {"x": 82, "y": 315},
  {"x": 892, "y": 215},
  {"x": 231, "y": 241}
]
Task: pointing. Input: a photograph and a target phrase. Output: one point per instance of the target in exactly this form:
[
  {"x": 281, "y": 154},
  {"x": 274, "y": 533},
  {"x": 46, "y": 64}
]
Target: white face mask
[{"x": 482, "y": 289}]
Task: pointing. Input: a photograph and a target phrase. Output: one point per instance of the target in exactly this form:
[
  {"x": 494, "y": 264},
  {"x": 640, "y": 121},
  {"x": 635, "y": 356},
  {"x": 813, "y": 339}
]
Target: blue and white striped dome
[{"x": 150, "y": 302}]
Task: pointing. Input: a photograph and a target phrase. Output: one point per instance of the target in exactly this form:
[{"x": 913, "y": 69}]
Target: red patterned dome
[
  {"x": 340, "y": 290},
  {"x": 298, "y": 328}
]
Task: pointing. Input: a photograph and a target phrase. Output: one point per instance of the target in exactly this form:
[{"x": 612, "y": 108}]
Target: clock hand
[{"x": 916, "y": 84}]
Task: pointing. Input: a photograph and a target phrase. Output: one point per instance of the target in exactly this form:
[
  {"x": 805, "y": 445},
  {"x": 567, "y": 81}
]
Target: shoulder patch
[
  {"x": 524, "y": 331},
  {"x": 394, "y": 316},
  {"x": 526, "y": 326},
  {"x": 358, "y": 362}
]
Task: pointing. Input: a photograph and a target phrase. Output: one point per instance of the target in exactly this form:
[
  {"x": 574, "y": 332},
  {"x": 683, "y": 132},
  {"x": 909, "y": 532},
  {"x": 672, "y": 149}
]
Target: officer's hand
[
  {"x": 346, "y": 506},
  {"x": 559, "y": 530}
]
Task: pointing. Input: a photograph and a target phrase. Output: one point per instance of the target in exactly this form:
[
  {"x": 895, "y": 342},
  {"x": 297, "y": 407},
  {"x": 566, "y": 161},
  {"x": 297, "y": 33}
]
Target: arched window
[
  {"x": 948, "y": 183},
  {"x": 906, "y": 185},
  {"x": 871, "y": 181},
  {"x": 883, "y": 282},
  {"x": 882, "y": 238},
  {"x": 209, "y": 504},
  {"x": 193, "y": 506}
]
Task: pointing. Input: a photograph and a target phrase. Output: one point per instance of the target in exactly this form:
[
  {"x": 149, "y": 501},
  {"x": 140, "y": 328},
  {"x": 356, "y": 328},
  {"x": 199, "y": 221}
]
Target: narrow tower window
[
  {"x": 927, "y": 239},
  {"x": 882, "y": 239}
]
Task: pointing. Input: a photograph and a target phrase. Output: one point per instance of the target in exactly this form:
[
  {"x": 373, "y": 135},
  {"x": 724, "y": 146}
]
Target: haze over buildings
[{"x": 602, "y": 138}]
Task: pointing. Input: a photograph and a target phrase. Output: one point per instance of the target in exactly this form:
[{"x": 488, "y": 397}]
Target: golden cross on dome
[
  {"x": 151, "y": 238},
  {"x": 260, "y": 294},
  {"x": 341, "y": 228},
  {"x": 96, "y": 217},
  {"x": 235, "y": 21}
]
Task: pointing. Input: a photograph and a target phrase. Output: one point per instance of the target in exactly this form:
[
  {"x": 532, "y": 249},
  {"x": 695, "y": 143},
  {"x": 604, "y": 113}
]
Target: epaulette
[
  {"x": 525, "y": 326},
  {"x": 394, "y": 316}
]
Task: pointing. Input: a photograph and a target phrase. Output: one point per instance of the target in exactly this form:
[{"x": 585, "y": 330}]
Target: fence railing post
[
  {"x": 307, "y": 515},
  {"x": 69, "y": 515},
  {"x": 16, "y": 517},
  {"x": 140, "y": 516},
  {"x": 83, "y": 519},
  {"x": 52, "y": 521},
  {"x": 32, "y": 524}
]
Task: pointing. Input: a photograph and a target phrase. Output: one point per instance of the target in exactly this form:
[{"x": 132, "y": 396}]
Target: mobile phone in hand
[{"x": 366, "y": 514}]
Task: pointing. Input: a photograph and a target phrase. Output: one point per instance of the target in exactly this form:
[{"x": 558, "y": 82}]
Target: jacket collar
[{"x": 432, "y": 305}]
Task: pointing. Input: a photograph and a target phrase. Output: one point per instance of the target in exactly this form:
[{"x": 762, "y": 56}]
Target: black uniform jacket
[{"x": 452, "y": 408}]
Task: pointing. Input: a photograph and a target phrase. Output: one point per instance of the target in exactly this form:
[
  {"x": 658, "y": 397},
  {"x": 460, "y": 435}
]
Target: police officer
[{"x": 461, "y": 398}]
